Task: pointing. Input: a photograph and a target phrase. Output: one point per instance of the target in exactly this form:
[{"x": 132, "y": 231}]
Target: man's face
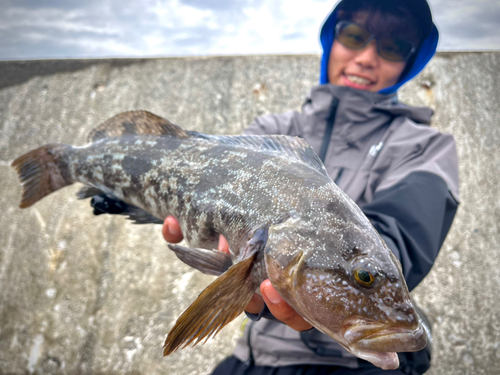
[{"x": 362, "y": 69}]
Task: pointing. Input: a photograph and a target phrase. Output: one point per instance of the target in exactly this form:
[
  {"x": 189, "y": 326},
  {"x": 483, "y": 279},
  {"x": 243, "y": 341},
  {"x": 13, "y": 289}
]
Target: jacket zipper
[
  {"x": 328, "y": 131},
  {"x": 339, "y": 175},
  {"x": 250, "y": 361}
]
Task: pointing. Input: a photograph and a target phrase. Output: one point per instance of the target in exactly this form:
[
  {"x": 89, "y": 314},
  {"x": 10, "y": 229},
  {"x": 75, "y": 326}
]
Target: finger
[
  {"x": 223, "y": 245},
  {"x": 255, "y": 305},
  {"x": 171, "y": 230},
  {"x": 282, "y": 310}
]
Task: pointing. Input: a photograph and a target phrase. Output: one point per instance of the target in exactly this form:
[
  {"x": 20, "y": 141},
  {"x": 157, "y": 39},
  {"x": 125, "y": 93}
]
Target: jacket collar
[{"x": 359, "y": 113}]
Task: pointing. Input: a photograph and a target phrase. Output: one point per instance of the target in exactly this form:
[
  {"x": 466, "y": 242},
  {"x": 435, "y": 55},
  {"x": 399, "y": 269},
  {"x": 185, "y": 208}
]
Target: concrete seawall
[{"x": 81, "y": 294}]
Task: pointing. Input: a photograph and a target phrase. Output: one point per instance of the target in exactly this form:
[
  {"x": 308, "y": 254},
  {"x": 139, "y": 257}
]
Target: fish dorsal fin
[
  {"x": 136, "y": 123},
  {"x": 290, "y": 147}
]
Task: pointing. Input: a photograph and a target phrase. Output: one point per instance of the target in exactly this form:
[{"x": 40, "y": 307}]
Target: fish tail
[{"x": 42, "y": 171}]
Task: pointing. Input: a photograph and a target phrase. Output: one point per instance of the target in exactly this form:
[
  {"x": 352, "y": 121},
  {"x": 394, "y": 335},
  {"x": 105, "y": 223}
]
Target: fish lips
[
  {"x": 386, "y": 361},
  {"x": 372, "y": 335},
  {"x": 395, "y": 340},
  {"x": 378, "y": 343}
]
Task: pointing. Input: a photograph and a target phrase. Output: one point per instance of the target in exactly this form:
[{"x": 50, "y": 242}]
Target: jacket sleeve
[{"x": 413, "y": 213}]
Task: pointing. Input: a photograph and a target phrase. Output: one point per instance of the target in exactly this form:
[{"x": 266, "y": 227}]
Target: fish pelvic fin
[
  {"x": 216, "y": 306},
  {"x": 42, "y": 171},
  {"x": 136, "y": 123},
  {"x": 210, "y": 262}
]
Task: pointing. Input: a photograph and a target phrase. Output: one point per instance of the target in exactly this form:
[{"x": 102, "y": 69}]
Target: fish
[{"x": 272, "y": 199}]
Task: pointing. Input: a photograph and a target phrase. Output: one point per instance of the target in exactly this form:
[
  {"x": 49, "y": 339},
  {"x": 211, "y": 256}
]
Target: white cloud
[
  {"x": 175, "y": 13},
  {"x": 99, "y": 28},
  {"x": 61, "y": 20}
]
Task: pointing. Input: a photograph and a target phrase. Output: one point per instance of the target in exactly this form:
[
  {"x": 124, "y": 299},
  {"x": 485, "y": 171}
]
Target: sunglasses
[{"x": 355, "y": 37}]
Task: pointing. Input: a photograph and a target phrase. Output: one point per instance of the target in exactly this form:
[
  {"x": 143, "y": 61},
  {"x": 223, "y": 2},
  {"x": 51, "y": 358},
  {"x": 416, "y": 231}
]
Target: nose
[{"x": 368, "y": 56}]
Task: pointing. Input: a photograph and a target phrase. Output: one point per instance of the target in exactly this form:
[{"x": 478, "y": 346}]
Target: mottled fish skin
[
  {"x": 317, "y": 240},
  {"x": 210, "y": 188}
]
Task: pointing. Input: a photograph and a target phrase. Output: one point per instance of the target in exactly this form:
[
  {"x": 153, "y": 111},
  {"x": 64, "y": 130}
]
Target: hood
[{"x": 424, "y": 53}]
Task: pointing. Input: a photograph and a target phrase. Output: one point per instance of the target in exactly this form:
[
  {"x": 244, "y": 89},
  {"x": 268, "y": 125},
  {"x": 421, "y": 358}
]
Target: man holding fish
[
  {"x": 334, "y": 213},
  {"x": 382, "y": 153}
]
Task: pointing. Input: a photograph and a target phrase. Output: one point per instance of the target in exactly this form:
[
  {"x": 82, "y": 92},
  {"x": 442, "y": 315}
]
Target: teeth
[{"x": 358, "y": 80}]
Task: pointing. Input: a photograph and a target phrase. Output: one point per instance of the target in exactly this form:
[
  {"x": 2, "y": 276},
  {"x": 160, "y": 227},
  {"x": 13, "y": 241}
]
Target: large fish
[{"x": 272, "y": 199}]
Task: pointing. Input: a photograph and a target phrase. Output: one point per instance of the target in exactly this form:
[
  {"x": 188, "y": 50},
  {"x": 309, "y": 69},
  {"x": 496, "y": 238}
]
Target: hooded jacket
[{"x": 401, "y": 172}]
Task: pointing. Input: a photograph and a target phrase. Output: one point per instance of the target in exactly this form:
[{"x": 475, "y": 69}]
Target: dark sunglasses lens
[
  {"x": 394, "y": 49},
  {"x": 352, "y": 36}
]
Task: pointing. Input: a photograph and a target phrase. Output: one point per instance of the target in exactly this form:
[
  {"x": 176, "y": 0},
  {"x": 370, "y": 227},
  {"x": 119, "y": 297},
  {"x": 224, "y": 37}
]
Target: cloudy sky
[{"x": 33, "y": 29}]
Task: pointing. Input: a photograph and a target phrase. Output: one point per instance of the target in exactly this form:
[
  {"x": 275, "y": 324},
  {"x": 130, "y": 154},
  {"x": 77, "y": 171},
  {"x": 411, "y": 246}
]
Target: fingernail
[
  {"x": 220, "y": 246},
  {"x": 172, "y": 229},
  {"x": 223, "y": 245},
  {"x": 273, "y": 295}
]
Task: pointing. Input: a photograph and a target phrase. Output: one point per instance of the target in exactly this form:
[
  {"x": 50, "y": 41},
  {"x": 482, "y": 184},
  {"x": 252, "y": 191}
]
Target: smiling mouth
[{"x": 357, "y": 80}]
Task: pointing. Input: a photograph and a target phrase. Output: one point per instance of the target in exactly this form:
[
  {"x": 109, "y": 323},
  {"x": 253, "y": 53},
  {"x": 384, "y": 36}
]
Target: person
[{"x": 382, "y": 153}]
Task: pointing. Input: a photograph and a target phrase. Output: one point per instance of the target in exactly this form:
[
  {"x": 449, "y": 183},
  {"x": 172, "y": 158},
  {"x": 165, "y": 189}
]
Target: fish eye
[
  {"x": 365, "y": 273},
  {"x": 364, "y": 278}
]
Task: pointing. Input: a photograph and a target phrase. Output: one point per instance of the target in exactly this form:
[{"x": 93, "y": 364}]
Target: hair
[{"x": 383, "y": 18}]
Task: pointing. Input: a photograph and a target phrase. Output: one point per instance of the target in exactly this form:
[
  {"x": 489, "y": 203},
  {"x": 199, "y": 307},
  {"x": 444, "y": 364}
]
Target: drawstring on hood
[{"x": 424, "y": 54}]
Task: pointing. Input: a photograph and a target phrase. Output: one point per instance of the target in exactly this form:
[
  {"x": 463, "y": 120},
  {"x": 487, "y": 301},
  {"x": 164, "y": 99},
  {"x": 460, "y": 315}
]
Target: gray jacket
[{"x": 401, "y": 172}]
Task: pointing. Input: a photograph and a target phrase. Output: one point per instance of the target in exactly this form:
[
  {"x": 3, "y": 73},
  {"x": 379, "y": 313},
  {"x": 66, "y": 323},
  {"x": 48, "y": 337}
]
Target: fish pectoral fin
[
  {"x": 216, "y": 306},
  {"x": 210, "y": 262},
  {"x": 104, "y": 203},
  {"x": 136, "y": 123}
]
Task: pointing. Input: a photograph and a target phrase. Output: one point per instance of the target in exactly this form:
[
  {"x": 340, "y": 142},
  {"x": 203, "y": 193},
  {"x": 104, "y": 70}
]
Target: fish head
[{"x": 349, "y": 286}]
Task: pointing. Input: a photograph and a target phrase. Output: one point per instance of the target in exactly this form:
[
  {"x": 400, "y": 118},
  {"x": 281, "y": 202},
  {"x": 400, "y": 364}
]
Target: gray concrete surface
[{"x": 96, "y": 295}]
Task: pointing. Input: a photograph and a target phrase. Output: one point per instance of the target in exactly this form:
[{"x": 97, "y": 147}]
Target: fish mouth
[
  {"x": 386, "y": 361},
  {"x": 379, "y": 343}
]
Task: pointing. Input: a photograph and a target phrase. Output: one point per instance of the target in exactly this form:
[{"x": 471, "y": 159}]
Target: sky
[{"x": 41, "y": 29}]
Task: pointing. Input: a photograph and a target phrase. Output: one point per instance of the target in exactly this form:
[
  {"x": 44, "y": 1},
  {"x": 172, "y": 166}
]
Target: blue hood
[{"x": 424, "y": 54}]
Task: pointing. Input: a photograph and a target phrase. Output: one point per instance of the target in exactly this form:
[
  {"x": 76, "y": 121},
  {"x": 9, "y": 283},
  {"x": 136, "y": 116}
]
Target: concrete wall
[{"x": 92, "y": 295}]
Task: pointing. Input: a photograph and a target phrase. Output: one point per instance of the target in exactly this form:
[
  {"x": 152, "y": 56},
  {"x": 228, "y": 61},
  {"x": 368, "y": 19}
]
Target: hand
[
  {"x": 278, "y": 307},
  {"x": 270, "y": 296},
  {"x": 172, "y": 233},
  {"x": 172, "y": 230}
]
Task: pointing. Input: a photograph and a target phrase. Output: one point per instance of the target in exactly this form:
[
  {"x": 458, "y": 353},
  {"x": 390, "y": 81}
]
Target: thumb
[{"x": 280, "y": 309}]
